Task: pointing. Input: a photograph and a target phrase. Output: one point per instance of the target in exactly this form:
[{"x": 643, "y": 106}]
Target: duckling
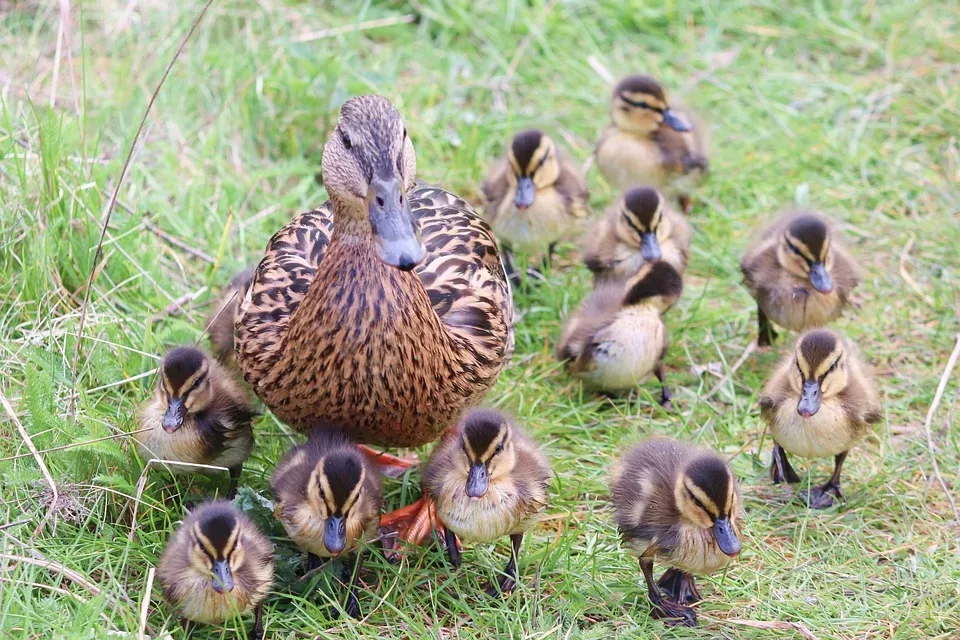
[
  {"x": 223, "y": 317},
  {"x": 648, "y": 142},
  {"x": 820, "y": 402},
  {"x": 617, "y": 338},
  {"x": 642, "y": 227},
  {"x": 799, "y": 274},
  {"x": 679, "y": 505},
  {"x": 217, "y": 565},
  {"x": 534, "y": 197},
  {"x": 328, "y": 498},
  {"x": 198, "y": 414},
  {"x": 488, "y": 480}
]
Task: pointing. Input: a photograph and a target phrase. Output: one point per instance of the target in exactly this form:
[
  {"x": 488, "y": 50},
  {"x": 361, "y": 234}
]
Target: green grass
[{"x": 850, "y": 107}]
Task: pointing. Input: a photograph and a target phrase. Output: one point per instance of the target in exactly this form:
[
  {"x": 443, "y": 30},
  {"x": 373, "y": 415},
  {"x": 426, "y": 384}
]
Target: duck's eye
[
  {"x": 346, "y": 140},
  {"x": 404, "y": 133},
  {"x": 698, "y": 503},
  {"x": 499, "y": 449}
]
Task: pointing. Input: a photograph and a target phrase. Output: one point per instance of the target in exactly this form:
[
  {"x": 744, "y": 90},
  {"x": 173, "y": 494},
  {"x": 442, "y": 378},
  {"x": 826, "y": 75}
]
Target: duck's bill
[
  {"x": 809, "y": 399},
  {"x": 222, "y": 577},
  {"x": 726, "y": 539},
  {"x": 820, "y": 278},
  {"x": 477, "y": 481},
  {"x": 650, "y": 247},
  {"x": 335, "y": 534},
  {"x": 526, "y": 193},
  {"x": 396, "y": 233},
  {"x": 673, "y": 120},
  {"x": 173, "y": 417}
]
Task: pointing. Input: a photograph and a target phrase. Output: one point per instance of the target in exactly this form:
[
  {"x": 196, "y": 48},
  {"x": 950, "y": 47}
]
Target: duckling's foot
[
  {"x": 258, "y": 623},
  {"x": 679, "y": 587},
  {"x": 412, "y": 524},
  {"x": 389, "y": 465},
  {"x": 507, "y": 581},
  {"x": 821, "y": 497},
  {"x": 766, "y": 334},
  {"x": 780, "y": 468},
  {"x": 673, "y": 613}
]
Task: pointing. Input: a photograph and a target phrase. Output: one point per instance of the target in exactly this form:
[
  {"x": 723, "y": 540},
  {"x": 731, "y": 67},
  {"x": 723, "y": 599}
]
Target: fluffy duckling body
[
  {"x": 223, "y": 318},
  {"x": 648, "y": 142},
  {"x": 680, "y": 506},
  {"x": 799, "y": 274},
  {"x": 217, "y": 565},
  {"x": 534, "y": 197},
  {"x": 328, "y": 497},
  {"x": 617, "y": 337},
  {"x": 197, "y": 415},
  {"x": 820, "y": 402},
  {"x": 642, "y": 228},
  {"x": 488, "y": 480}
]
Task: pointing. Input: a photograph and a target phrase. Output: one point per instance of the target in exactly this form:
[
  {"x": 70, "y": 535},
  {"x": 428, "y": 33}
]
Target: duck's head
[
  {"x": 216, "y": 545},
  {"x": 185, "y": 385},
  {"x": 487, "y": 451},
  {"x": 706, "y": 497},
  {"x": 821, "y": 362},
  {"x": 639, "y": 105},
  {"x": 533, "y": 165},
  {"x": 640, "y": 223},
  {"x": 335, "y": 493},
  {"x": 368, "y": 167},
  {"x": 804, "y": 251},
  {"x": 656, "y": 284}
]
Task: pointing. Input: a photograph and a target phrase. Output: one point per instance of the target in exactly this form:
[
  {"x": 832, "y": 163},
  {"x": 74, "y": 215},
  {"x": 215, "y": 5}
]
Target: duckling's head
[
  {"x": 640, "y": 222},
  {"x": 821, "y": 361},
  {"x": 334, "y": 491},
  {"x": 368, "y": 166},
  {"x": 486, "y": 448},
  {"x": 639, "y": 105},
  {"x": 706, "y": 497},
  {"x": 804, "y": 250},
  {"x": 533, "y": 165},
  {"x": 656, "y": 284},
  {"x": 185, "y": 385},
  {"x": 216, "y": 546}
]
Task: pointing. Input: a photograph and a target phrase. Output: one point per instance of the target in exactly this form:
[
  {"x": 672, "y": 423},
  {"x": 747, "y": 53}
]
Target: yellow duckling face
[
  {"x": 185, "y": 385},
  {"x": 706, "y": 497},
  {"x": 641, "y": 223},
  {"x": 533, "y": 165},
  {"x": 216, "y": 549},
  {"x": 640, "y": 106},
  {"x": 368, "y": 166},
  {"x": 333, "y": 492},
  {"x": 804, "y": 251},
  {"x": 487, "y": 451},
  {"x": 821, "y": 363},
  {"x": 656, "y": 284}
]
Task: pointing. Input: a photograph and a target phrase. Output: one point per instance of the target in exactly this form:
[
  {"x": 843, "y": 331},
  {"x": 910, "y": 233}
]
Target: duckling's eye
[
  {"x": 698, "y": 503},
  {"x": 404, "y": 133},
  {"x": 499, "y": 449},
  {"x": 346, "y": 140}
]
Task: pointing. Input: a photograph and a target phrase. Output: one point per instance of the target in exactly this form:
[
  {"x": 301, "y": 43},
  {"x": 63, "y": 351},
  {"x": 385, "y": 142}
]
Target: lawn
[{"x": 849, "y": 107}]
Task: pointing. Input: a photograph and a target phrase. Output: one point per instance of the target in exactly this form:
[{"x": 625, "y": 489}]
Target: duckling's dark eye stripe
[
  {"x": 632, "y": 226},
  {"x": 831, "y": 368},
  {"x": 798, "y": 252},
  {"x": 641, "y": 104},
  {"x": 540, "y": 164}
]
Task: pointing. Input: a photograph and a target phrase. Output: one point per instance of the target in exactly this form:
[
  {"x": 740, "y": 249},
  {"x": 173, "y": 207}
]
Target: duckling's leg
[
  {"x": 780, "y": 467},
  {"x": 349, "y": 573},
  {"x": 671, "y": 612},
  {"x": 389, "y": 465},
  {"x": 665, "y": 395},
  {"x": 258, "y": 622},
  {"x": 822, "y": 497},
  {"x": 508, "y": 578},
  {"x": 234, "y": 481},
  {"x": 453, "y": 549},
  {"x": 509, "y": 267},
  {"x": 766, "y": 335}
]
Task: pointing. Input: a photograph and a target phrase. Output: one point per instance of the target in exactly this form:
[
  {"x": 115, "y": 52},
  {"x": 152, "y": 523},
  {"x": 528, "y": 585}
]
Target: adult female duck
[{"x": 385, "y": 311}]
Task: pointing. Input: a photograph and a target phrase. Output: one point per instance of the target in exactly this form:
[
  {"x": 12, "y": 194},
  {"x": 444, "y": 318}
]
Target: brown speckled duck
[
  {"x": 799, "y": 274},
  {"x": 223, "y": 317},
  {"x": 387, "y": 309},
  {"x": 648, "y": 142}
]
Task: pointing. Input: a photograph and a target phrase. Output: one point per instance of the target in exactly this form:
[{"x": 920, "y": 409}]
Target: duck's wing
[{"x": 463, "y": 274}]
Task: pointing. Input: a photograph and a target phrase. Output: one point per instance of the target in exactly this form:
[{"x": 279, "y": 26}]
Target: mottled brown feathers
[{"x": 223, "y": 317}]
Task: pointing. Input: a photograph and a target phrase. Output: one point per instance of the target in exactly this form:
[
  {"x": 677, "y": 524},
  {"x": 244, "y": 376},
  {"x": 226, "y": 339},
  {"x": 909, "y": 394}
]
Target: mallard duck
[
  {"x": 820, "y": 402},
  {"x": 488, "y": 480},
  {"x": 799, "y": 274},
  {"x": 387, "y": 309},
  {"x": 218, "y": 565},
  {"x": 223, "y": 317},
  {"x": 681, "y": 506},
  {"x": 198, "y": 415},
  {"x": 328, "y": 498},
  {"x": 648, "y": 142},
  {"x": 534, "y": 197},
  {"x": 617, "y": 338},
  {"x": 641, "y": 228}
]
